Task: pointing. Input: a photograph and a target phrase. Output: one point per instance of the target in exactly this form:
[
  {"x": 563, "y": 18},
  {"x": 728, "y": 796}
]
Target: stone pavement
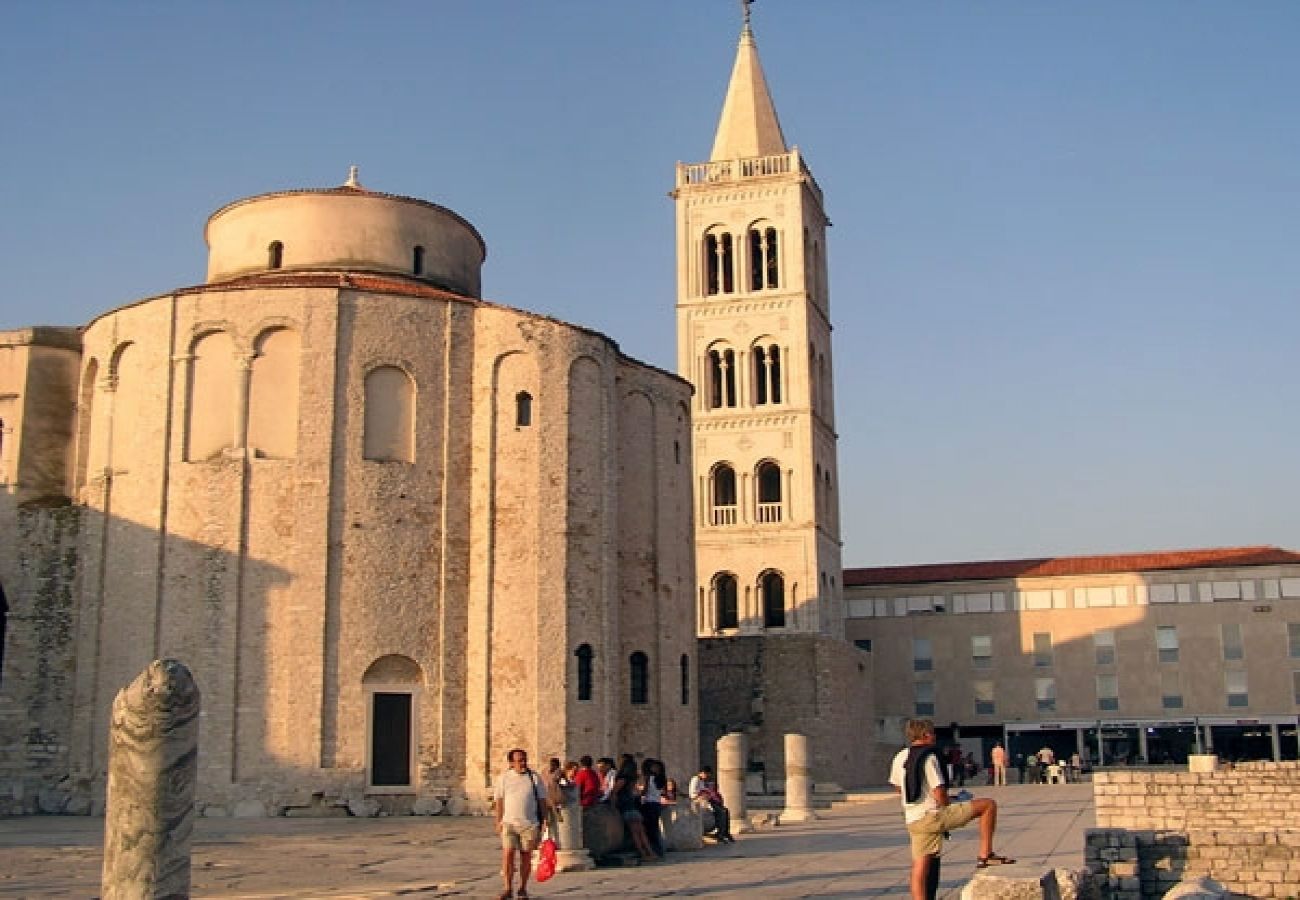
[{"x": 857, "y": 850}]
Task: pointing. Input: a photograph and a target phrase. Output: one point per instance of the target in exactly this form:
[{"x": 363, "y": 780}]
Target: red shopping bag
[{"x": 546, "y": 863}]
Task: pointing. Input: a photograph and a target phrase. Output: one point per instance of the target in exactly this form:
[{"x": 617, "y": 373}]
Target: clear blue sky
[{"x": 1065, "y": 266}]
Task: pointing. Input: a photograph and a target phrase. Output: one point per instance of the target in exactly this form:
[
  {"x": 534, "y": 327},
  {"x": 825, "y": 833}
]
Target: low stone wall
[{"x": 1237, "y": 825}]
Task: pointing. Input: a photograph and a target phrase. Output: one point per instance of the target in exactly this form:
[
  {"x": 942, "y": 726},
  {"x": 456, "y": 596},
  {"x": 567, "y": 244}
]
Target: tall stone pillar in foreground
[
  {"x": 798, "y": 781},
  {"x": 153, "y": 759},
  {"x": 733, "y": 757},
  {"x": 572, "y": 855}
]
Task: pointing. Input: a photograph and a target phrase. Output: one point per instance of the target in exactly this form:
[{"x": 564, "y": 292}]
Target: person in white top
[
  {"x": 930, "y": 814},
  {"x": 520, "y": 805},
  {"x": 999, "y": 757}
]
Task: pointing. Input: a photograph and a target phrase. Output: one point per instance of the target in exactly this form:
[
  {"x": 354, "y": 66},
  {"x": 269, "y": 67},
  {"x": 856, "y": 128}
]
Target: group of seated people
[{"x": 639, "y": 795}]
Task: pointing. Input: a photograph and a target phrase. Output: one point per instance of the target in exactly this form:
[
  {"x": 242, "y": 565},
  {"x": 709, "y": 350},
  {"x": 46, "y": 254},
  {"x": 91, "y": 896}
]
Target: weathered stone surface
[
  {"x": 152, "y": 769},
  {"x": 427, "y": 806},
  {"x": 682, "y": 825},
  {"x": 571, "y": 855},
  {"x": 733, "y": 756},
  {"x": 1020, "y": 882},
  {"x": 798, "y": 780},
  {"x": 1202, "y": 888},
  {"x": 363, "y": 807},
  {"x": 602, "y": 830},
  {"x": 249, "y": 809}
]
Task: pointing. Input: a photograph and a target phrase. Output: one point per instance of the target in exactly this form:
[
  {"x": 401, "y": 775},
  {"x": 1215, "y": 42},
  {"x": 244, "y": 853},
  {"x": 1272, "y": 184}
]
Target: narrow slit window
[
  {"x": 640, "y": 678},
  {"x": 584, "y": 655},
  {"x": 523, "y": 409},
  {"x": 686, "y": 680},
  {"x": 275, "y": 255},
  {"x": 417, "y": 260},
  {"x": 728, "y": 607}
]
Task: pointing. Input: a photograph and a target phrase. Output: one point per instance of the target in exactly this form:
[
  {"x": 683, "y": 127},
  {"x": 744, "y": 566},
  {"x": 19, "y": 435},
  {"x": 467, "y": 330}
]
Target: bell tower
[{"x": 754, "y": 338}]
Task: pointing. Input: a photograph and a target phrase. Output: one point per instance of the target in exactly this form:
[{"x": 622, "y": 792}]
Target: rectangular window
[
  {"x": 924, "y": 703},
  {"x": 863, "y": 644},
  {"x": 1232, "y": 647},
  {"x": 1171, "y": 693},
  {"x": 981, "y": 651},
  {"x": 1043, "y": 649},
  {"x": 1293, "y": 633},
  {"x": 1103, "y": 643},
  {"x": 1107, "y": 693},
  {"x": 1167, "y": 643},
  {"x": 984, "y": 705},
  {"x": 1235, "y": 682},
  {"x": 1045, "y": 694},
  {"x": 922, "y": 655}
]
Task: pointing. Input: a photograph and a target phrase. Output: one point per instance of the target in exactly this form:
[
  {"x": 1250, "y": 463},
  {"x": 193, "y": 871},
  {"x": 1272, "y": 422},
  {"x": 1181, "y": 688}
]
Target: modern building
[
  {"x": 393, "y": 529},
  {"x": 1125, "y": 658}
]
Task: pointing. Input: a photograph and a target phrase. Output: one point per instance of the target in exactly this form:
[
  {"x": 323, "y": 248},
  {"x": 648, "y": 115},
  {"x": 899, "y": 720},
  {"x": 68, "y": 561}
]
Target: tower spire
[{"x": 748, "y": 126}]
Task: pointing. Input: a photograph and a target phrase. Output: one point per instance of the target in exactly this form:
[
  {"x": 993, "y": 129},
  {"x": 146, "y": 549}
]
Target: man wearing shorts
[
  {"x": 520, "y": 806},
  {"x": 918, "y": 776}
]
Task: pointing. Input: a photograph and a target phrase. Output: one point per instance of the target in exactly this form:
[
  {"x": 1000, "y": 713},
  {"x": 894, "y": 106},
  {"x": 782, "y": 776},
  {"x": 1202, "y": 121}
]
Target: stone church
[{"x": 395, "y": 529}]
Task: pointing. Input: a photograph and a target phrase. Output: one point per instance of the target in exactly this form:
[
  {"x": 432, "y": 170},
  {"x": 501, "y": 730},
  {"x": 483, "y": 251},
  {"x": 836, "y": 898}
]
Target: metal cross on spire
[{"x": 744, "y": 6}]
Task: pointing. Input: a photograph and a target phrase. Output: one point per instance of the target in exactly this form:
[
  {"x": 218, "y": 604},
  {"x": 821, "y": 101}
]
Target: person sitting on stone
[{"x": 703, "y": 789}]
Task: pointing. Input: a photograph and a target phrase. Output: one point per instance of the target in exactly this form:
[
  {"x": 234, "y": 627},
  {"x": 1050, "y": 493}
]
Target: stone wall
[
  {"x": 810, "y": 684},
  {"x": 1158, "y": 828}
]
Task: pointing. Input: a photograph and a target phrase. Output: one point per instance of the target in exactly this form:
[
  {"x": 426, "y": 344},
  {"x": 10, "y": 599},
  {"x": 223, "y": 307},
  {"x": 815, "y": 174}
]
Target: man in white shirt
[
  {"x": 520, "y": 806},
  {"x": 930, "y": 814}
]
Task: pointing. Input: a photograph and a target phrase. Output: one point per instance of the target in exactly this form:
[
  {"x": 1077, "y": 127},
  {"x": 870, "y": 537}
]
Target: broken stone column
[
  {"x": 152, "y": 768},
  {"x": 798, "y": 780},
  {"x": 571, "y": 854},
  {"x": 733, "y": 756}
]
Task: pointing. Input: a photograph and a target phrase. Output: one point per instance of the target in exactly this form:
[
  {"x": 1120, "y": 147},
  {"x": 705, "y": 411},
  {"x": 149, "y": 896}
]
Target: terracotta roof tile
[{"x": 986, "y": 570}]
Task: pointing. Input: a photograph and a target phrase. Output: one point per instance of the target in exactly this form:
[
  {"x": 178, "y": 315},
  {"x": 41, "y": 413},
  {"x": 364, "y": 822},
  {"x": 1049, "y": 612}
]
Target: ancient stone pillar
[
  {"x": 733, "y": 757},
  {"x": 152, "y": 767},
  {"x": 798, "y": 780},
  {"x": 571, "y": 855}
]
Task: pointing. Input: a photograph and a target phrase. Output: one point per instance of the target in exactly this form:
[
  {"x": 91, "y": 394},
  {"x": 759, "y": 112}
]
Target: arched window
[
  {"x": 763, "y": 267},
  {"x": 719, "y": 263},
  {"x": 523, "y": 409},
  {"x": 772, "y": 587},
  {"x": 584, "y": 654},
  {"x": 273, "y": 395},
  {"x": 767, "y": 374},
  {"x": 722, "y": 378},
  {"x": 274, "y": 255},
  {"x": 389, "y": 415},
  {"x": 417, "y": 260},
  {"x": 210, "y": 406},
  {"x": 686, "y": 680},
  {"x": 726, "y": 596},
  {"x": 640, "y": 678},
  {"x": 723, "y": 495},
  {"x": 769, "y": 492}
]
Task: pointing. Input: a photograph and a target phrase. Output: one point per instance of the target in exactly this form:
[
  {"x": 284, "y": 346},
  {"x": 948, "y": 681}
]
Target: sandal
[
  {"x": 993, "y": 859},
  {"x": 505, "y": 895}
]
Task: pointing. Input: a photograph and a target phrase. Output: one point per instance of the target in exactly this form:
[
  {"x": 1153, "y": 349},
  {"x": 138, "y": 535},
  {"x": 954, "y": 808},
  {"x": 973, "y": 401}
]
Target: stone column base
[{"x": 573, "y": 861}]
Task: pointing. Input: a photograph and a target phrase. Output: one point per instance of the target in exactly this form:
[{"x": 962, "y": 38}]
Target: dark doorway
[{"x": 390, "y": 740}]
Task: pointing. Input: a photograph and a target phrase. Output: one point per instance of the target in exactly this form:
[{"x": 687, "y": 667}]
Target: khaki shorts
[
  {"x": 518, "y": 837},
  {"x": 927, "y": 833}
]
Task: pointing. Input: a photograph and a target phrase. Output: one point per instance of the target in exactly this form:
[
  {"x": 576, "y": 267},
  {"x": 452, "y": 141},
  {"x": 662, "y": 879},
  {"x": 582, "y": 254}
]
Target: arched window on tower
[
  {"x": 722, "y": 493},
  {"x": 719, "y": 263},
  {"x": 274, "y": 255},
  {"x": 417, "y": 260},
  {"x": 722, "y": 378},
  {"x": 726, "y": 596},
  {"x": 763, "y": 266},
  {"x": 767, "y": 374},
  {"x": 769, "y": 492},
  {"x": 584, "y": 654},
  {"x": 772, "y": 588},
  {"x": 523, "y": 409},
  {"x": 640, "y": 678}
]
